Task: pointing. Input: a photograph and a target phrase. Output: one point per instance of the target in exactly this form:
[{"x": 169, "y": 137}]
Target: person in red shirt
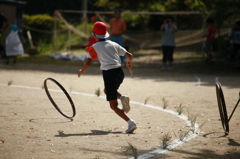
[
  {"x": 91, "y": 41},
  {"x": 210, "y": 36}
]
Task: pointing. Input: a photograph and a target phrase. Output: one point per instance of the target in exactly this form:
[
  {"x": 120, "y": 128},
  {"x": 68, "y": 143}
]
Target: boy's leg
[
  {"x": 125, "y": 103},
  {"x": 119, "y": 112},
  {"x": 124, "y": 100},
  {"x": 131, "y": 124}
]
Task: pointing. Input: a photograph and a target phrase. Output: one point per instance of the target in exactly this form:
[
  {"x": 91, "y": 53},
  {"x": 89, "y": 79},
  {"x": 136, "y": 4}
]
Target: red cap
[{"x": 100, "y": 30}]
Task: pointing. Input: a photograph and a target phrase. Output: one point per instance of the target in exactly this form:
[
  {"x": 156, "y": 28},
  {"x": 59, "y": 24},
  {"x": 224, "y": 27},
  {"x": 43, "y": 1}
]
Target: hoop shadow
[
  {"x": 94, "y": 132},
  {"x": 211, "y": 133},
  {"x": 36, "y": 120}
]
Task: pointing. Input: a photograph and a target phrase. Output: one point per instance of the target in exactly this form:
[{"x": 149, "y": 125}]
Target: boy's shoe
[
  {"x": 125, "y": 103},
  {"x": 131, "y": 127}
]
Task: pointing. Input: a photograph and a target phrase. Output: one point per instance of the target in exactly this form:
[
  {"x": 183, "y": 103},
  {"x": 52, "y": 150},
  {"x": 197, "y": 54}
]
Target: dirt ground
[{"x": 31, "y": 128}]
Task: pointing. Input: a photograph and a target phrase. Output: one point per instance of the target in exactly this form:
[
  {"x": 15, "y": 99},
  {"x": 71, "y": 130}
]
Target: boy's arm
[
  {"x": 129, "y": 61},
  {"x": 85, "y": 67}
]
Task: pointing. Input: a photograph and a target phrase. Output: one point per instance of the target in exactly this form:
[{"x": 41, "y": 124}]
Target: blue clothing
[{"x": 118, "y": 39}]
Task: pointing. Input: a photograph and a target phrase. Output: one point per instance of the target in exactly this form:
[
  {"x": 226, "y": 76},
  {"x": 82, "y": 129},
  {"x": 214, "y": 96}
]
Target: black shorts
[
  {"x": 112, "y": 80},
  {"x": 167, "y": 53}
]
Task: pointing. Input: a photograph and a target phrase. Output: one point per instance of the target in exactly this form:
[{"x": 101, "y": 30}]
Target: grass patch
[
  {"x": 132, "y": 149},
  {"x": 98, "y": 92},
  {"x": 180, "y": 109},
  {"x": 165, "y": 103},
  {"x": 10, "y": 82},
  {"x": 165, "y": 140},
  {"x": 183, "y": 135},
  {"x": 146, "y": 100},
  {"x": 192, "y": 118}
]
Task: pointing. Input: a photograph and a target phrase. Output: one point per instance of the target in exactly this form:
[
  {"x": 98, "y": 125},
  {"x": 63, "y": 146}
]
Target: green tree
[{"x": 225, "y": 13}]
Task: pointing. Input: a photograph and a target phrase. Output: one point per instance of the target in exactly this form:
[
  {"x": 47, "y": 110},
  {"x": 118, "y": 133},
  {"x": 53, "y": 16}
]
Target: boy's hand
[
  {"x": 80, "y": 72},
  {"x": 129, "y": 64},
  {"x": 85, "y": 66}
]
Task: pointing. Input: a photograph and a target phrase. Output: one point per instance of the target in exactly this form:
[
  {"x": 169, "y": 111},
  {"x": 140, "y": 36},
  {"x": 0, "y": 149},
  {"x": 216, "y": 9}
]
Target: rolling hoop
[
  {"x": 222, "y": 108},
  {"x": 53, "y": 102}
]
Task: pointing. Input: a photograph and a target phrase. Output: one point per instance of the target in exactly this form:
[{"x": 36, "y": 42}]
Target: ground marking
[{"x": 198, "y": 81}]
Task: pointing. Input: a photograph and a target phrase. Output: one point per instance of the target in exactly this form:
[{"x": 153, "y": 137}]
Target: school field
[{"x": 31, "y": 128}]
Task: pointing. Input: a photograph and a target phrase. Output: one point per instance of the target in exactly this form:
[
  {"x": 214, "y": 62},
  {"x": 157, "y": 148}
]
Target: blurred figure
[
  {"x": 4, "y": 26},
  {"x": 117, "y": 28},
  {"x": 91, "y": 41},
  {"x": 210, "y": 37},
  {"x": 168, "y": 30},
  {"x": 14, "y": 45},
  {"x": 234, "y": 41}
]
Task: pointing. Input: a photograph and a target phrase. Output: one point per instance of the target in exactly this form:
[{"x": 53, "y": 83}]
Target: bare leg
[
  {"x": 119, "y": 112},
  {"x": 114, "y": 107}
]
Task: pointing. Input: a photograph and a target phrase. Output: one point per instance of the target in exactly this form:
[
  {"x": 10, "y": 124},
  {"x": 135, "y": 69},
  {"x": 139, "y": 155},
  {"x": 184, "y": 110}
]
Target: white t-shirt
[{"x": 108, "y": 53}]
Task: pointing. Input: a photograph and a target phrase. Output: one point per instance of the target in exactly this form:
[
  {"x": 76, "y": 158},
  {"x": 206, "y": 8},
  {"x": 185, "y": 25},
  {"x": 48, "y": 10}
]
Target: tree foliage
[{"x": 224, "y": 12}]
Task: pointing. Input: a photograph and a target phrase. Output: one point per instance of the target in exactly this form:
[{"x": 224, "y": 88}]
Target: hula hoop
[
  {"x": 65, "y": 92},
  {"x": 222, "y": 108}
]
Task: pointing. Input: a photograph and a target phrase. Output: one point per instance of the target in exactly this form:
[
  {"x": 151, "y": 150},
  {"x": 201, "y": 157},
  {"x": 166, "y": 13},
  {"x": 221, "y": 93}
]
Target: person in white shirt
[
  {"x": 108, "y": 53},
  {"x": 168, "y": 30}
]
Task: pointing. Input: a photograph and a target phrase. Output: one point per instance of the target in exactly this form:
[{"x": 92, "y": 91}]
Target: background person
[
  {"x": 14, "y": 45},
  {"x": 168, "y": 30},
  {"x": 210, "y": 37},
  {"x": 4, "y": 26},
  {"x": 117, "y": 28},
  {"x": 234, "y": 40}
]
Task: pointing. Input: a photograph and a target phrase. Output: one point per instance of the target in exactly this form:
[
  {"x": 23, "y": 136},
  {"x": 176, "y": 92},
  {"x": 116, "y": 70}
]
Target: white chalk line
[
  {"x": 153, "y": 153},
  {"x": 199, "y": 80}
]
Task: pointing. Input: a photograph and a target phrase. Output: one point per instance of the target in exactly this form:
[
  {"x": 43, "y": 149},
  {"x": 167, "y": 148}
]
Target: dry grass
[
  {"x": 165, "y": 140},
  {"x": 180, "y": 109},
  {"x": 131, "y": 148},
  {"x": 165, "y": 103},
  {"x": 146, "y": 100},
  {"x": 10, "y": 82},
  {"x": 98, "y": 92}
]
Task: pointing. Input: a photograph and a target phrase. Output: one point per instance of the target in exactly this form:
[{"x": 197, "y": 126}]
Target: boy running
[{"x": 108, "y": 53}]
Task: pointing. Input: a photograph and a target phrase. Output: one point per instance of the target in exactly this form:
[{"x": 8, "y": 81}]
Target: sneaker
[
  {"x": 131, "y": 127},
  {"x": 125, "y": 103}
]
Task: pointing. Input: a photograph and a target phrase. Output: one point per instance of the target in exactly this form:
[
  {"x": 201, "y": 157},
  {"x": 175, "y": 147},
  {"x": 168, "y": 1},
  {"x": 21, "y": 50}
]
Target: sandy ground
[{"x": 31, "y": 128}]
